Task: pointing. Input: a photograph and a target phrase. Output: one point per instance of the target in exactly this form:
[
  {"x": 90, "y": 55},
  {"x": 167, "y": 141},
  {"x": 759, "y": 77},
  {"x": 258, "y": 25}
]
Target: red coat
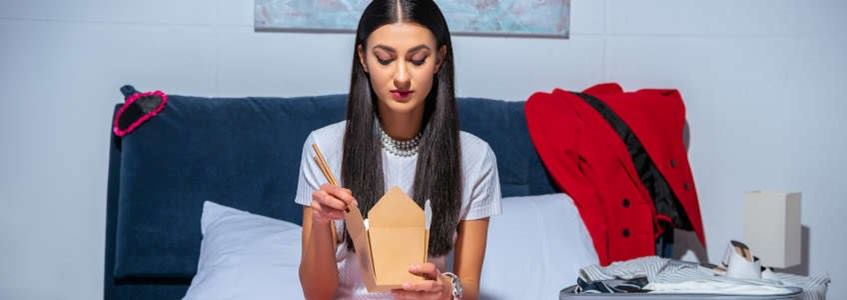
[{"x": 589, "y": 161}]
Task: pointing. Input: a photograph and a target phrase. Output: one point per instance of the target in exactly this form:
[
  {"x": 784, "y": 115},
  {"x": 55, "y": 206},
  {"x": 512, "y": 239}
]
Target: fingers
[
  {"x": 425, "y": 286},
  {"x": 339, "y": 193},
  {"x": 320, "y": 214},
  {"x": 403, "y": 294},
  {"x": 330, "y": 202},
  {"x": 430, "y": 289},
  {"x": 426, "y": 270},
  {"x": 326, "y": 208}
]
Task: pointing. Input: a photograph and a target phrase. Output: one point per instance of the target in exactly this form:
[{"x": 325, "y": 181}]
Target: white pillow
[
  {"x": 246, "y": 256},
  {"x": 535, "y": 248}
]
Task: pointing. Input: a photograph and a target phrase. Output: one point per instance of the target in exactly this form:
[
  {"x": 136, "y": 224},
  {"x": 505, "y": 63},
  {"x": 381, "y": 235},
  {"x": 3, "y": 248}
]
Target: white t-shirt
[{"x": 480, "y": 192}]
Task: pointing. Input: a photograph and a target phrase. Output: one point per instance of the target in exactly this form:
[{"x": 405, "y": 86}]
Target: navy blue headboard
[{"x": 244, "y": 153}]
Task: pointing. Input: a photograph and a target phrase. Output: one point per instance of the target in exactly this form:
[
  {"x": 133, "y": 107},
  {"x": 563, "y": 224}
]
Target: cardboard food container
[{"x": 395, "y": 239}]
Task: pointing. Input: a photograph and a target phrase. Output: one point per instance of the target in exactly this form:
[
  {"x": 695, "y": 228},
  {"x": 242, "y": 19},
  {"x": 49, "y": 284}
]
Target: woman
[{"x": 401, "y": 130}]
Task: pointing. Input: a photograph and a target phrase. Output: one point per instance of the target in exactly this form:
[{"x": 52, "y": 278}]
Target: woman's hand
[
  {"x": 330, "y": 202},
  {"x": 436, "y": 286}
]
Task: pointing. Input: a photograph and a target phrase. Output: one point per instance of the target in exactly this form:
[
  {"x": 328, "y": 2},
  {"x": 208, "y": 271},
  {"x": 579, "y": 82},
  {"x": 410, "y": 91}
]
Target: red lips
[{"x": 401, "y": 94}]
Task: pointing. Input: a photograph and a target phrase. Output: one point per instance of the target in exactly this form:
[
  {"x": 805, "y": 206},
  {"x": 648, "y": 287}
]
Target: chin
[{"x": 404, "y": 106}]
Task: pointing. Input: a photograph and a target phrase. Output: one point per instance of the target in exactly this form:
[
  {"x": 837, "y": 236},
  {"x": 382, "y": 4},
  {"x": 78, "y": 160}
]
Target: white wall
[{"x": 764, "y": 81}]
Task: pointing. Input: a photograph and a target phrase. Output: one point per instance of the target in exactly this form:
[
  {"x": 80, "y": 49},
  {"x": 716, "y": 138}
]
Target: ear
[
  {"x": 442, "y": 54},
  {"x": 361, "y": 53}
]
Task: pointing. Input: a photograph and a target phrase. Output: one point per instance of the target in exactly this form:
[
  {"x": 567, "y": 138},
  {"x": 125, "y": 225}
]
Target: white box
[{"x": 772, "y": 227}]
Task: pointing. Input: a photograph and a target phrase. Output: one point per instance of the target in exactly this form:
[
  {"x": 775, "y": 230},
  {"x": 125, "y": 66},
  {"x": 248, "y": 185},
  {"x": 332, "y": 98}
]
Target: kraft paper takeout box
[{"x": 395, "y": 239}]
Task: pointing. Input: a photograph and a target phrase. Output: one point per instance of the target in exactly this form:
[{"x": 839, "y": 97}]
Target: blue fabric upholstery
[
  {"x": 503, "y": 125},
  {"x": 245, "y": 153}
]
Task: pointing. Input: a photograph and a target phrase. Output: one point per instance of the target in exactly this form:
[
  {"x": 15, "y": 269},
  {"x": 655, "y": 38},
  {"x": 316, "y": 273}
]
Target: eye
[
  {"x": 419, "y": 62},
  {"x": 383, "y": 58}
]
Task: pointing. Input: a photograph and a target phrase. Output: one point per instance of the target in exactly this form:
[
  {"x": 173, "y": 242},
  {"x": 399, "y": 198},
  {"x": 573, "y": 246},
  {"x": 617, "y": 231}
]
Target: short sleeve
[
  {"x": 307, "y": 181},
  {"x": 485, "y": 189}
]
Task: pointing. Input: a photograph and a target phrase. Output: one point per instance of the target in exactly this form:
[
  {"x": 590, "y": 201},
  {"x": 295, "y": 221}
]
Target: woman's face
[{"x": 401, "y": 61}]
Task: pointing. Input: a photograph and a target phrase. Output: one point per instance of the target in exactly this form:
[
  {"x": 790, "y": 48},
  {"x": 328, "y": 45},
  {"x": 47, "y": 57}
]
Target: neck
[{"x": 401, "y": 126}]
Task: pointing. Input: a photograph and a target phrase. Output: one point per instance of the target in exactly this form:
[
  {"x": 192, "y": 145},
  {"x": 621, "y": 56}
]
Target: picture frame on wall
[{"x": 529, "y": 18}]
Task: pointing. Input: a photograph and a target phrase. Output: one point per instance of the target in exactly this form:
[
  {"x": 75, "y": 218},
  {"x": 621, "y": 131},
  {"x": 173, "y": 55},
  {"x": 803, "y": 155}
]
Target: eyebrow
[{"x": 413, "y": 50}]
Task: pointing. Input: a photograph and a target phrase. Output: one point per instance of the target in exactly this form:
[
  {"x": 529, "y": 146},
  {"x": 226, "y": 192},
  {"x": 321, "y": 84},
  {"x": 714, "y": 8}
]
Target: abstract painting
[{"x": 549, "y": 18}]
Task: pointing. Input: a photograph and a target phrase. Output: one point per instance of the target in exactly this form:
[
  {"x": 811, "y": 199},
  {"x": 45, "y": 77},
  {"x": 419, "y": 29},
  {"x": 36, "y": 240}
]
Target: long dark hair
[{"x": 438, "y": 174}]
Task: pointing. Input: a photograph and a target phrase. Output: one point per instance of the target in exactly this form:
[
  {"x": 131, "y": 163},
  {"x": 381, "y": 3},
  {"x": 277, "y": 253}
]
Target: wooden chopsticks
[
  {"x": 321, "y": 161},
  {"x": 319, "y": 158}
]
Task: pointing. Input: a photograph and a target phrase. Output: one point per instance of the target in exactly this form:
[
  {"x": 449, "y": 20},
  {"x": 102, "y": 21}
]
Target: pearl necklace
[{"x": 403, "y": 148}]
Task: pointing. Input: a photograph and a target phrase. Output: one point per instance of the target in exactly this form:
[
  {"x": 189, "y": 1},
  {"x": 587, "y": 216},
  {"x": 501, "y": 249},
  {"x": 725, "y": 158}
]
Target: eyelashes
[{"x": 388, "y": 61}]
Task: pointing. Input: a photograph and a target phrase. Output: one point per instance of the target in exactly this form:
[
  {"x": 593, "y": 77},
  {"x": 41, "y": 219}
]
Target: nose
[{"x": 401, "y": 77}]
